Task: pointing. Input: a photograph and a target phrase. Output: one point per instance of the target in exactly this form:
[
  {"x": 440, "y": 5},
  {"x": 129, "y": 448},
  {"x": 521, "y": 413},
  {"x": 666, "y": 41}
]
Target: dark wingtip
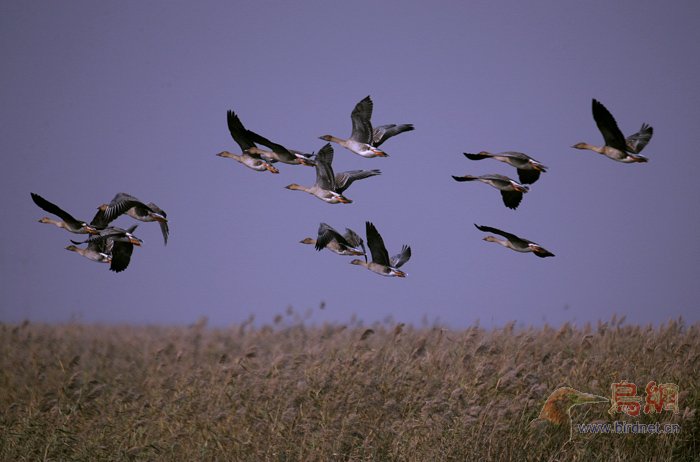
[{"x": 473, "y": 156}]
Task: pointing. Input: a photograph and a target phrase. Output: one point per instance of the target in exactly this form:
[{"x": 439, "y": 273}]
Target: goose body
[
  {"x": 381, "y": 263},
  {"x": 511, "y": 191},
  {"x": 616, "y": 146},
  {"x": 528, "y": 168},
  {"x": 514, "y": 242},
  {"x": 365, "y": 140}
]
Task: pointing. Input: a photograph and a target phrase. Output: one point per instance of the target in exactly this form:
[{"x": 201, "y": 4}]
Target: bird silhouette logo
[{"x": 557, "y": 408}]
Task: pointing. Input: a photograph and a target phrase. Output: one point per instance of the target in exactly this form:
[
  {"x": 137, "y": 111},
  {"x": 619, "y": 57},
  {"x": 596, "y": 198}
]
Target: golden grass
[{"x": 333, "y": 392}]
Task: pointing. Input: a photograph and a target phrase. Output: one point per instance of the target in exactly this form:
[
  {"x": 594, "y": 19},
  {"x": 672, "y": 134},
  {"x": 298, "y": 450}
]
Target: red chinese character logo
[
  {"x": 661, "y": 397},
  {"x": 625, "y": 399}
]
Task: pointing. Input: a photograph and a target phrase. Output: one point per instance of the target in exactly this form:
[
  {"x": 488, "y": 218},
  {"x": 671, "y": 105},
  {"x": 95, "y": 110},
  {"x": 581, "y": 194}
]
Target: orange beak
[
  {"x": 379, "y": 153},
  {"x": 344, "y": 200}
]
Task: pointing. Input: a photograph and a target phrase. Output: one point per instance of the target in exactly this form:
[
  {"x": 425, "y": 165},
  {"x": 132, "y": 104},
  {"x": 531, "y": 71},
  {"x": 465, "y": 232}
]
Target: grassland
[{"x": 333, "y": 392}]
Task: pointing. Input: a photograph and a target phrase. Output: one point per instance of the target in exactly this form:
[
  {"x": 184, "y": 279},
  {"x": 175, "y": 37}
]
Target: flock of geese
[
  {"x": 114, "y": 245},
  {"x": 106, "y": 244}
]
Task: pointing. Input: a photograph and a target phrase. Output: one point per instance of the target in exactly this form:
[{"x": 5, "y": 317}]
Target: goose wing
[
  {"x": 542, "y": 252},
  {"x": 401, "y": 257},
  {"x": 635, "y": 143},
  {"x": 238, "y": 131},
  {"x": 509, "y": 236},
  {"x": 528, "y": 176},
  {"x": 479, "y": 156},
  {"x": 512, "y": 199},
  {"x": 608, "y": 127},
  {"x": 54, "y": 209},
  {"x": 164, "y": 229},
  {"x": 326, "y": 234},
  {"x": 325, "y": 178},
  {"x": 354, "y": 239},
  {"x": 285, "y": 154},
  {"x": 343, "y": 180},
  {"x": 121, "y": 255},
  {"x": 376, "y": 245},
  {"x": 384, "y": 132},
  {"x": 361, "y": 124},
  {"x": 123, "y": 202}
]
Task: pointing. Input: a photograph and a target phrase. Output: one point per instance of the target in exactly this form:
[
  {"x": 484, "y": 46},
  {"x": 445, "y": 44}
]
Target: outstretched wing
[
  {"x": 608, "y": 127},
  {"x": 343, "y": 180},
  {"x": 376, "y": 245},
  {"x": 325, "y": 179},
  {"x": 635, "y": 143},
  {"x": 53, "y": 209},
  {"x": 238, "y": 131},
  {"x": 481, "y": 155},
  {"x": 121, "y": 255},
  {"x": 361, "y": 124},
  {"x": 163, "y": 224},
  {"x": 512, "y": 199},
  {"x": 384, "y": 132},
  {"x": 465, "y": 178},
  {"x": 528, "y": 176},
  {"x": 489, "y": 229},
  {"x": 278, "y": 149},
  {"x": 401, "y": 257},
  {"x": 326, "y": 234}
]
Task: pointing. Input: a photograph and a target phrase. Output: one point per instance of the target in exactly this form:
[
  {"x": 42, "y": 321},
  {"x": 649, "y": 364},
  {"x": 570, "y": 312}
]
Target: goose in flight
[
  {"x": 511, "y": 190},
  {"x": 514, "y": 242},
  {"x": 617, "y": 147},
  {"x": 349, "y": 243},
  {"x": 124, "y": 203},
  {"x": 381, "y": 263},
  {"x": 68, "y": 222},
  {"x": 248, "y": 156},
  {"x": 528, "y": 168},
  {"x": 115, "y": 243},
  {"x": 329, "y": 187},
  {"x": 364, "y": 140}
]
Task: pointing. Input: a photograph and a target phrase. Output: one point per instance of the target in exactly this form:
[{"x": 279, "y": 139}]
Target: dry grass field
[{"x": 334, "y": 392}]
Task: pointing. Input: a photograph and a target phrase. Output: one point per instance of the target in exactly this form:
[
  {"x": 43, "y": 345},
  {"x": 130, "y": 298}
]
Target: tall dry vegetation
[{"x": 334, "y": 392}]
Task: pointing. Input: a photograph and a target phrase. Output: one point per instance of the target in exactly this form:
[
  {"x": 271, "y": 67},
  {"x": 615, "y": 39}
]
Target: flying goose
[
  {"x": 329, "y": 187},
  {"x": 349, "y": 243},
  {"x": 617, "y": 147},
  {"x": 381, "y": 263},
  {"x": 68, "y": 222},
  {"x": 514, "y": 242},
  {"x": 364, "y": 140},
  {"x": 528, "y": 168},
  {"x": 124, "y": 203},
  {"x": 278, "y": 153},
  {"x": 117, "y": 243},
  {"x": 240, "y": 136},
  {"x": 511, "y": 190}
]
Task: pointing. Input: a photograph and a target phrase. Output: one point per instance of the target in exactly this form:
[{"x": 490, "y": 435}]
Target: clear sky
[{"x": 103, "y": 97}]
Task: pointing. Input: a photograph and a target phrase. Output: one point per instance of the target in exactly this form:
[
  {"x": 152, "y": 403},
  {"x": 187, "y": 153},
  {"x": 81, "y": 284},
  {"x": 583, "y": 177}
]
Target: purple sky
[{"x": 102, "y": 97}]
